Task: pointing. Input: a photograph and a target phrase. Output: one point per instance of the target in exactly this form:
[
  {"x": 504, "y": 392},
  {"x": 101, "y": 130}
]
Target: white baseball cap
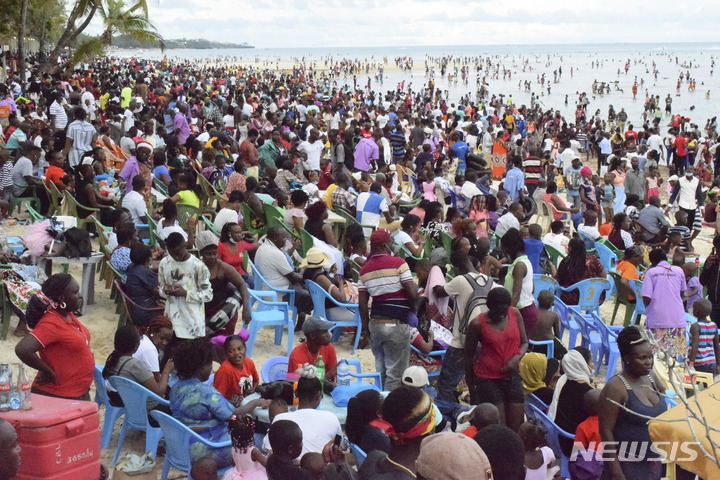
[{"x": 415, "y": 376}]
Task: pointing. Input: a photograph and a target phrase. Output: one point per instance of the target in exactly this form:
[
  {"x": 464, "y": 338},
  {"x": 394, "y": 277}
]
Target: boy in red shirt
[{"x": 317, "y": 342}]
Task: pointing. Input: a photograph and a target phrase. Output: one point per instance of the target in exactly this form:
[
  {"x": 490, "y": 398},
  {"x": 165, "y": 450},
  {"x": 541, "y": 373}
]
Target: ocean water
[{"x": 524, "y": 63}]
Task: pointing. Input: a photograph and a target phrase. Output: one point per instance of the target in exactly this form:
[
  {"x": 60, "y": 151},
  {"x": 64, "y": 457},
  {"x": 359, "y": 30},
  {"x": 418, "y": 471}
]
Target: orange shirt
[
  {"x": 629, "y": 271},
  {"x": 54, "y": 174},
  {"x": 301, "y": 355},
  {"x": 230, "y": 380}
]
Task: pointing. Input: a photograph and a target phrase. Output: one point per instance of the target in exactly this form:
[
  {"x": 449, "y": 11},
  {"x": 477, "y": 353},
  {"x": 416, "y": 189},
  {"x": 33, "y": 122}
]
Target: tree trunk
[
  {"x": 21, "y": 43},
  {"x": 41, "y": 41},
  {"x": 69, "y": 34}
]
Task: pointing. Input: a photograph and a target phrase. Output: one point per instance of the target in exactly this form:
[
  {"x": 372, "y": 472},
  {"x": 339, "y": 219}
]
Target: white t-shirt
[
  {"x": 402, "y": 238},
  {"x": 655, "y": 143},
  {"x": 229, "y": 121},
  {"x": 273, "y": 265},
  {"x": 313, "y": 151},
  {"x": 318, "y": 428},
  {"x": 591, "y": 232},
  {"x": 469, "y": 190},
  {"x": 148, "y": 353},
  {"x": 164, "y": 232},
  {"x": 382, "y": 120},
  {"x": 135, "y": 203},
  {"x": 557, "y": 240},
  {"x": 505, "y": 223}
]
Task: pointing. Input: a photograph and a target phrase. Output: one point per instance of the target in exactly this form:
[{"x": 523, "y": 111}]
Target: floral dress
[{"x": 196, "y": 404}]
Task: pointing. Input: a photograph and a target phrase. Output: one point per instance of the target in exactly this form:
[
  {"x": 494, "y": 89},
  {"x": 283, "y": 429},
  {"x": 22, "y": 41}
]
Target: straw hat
[{"x": 315, "y": 258}]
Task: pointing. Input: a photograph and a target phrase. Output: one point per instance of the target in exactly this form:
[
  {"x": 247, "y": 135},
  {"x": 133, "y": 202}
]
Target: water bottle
[
  {"x": 23, "y": 388},
  {"x": 320, "y": 367},
  {"x": 343, "y": 373},
  {"x": 5, "y": 390}
]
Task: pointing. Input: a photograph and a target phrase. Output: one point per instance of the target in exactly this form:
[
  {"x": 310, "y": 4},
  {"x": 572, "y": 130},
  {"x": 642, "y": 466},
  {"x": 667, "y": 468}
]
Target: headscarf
[
  {"x": 424, "y": 426},
  {"x": 576, "y": 369},
  {"x": 533, "y": 367}
]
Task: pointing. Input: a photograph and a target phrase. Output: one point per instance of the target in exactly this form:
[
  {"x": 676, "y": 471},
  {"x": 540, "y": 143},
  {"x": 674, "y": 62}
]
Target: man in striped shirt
[
  {"x": 388, "y": 281},
  {"x": 81, "y": 137}
]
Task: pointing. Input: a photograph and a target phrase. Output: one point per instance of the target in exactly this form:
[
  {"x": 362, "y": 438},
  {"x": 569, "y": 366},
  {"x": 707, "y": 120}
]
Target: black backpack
[
  {"x": 77, "y": 243},
  {"x": 477, "y": 299}
]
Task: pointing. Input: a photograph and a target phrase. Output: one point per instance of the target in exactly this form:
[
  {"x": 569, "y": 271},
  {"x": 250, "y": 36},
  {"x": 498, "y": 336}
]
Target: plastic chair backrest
[
  {"x": 177, "y": 440},
  {"x": 185, "y": 212},
  {"x": 134, "y": 397},
  {"x": 352, "y": 270},
  {"x": 360, "y": 456},
  {"x": 101, "y": 394},
  {"x": 306, "y": 241},
  {"x": 318, "y": 295},
  {"x": 607, "y": 258},
  {"x": 553, "y": 432},
  {"x": 554, "y": 254},
  {"x": 274, "y": 368},
  {"x": 619, "y": 288},
  {"x": 618, "y": 252},
  {"x": 562, "y": 310},
  {"x": 589, "y": 242},
  {"x": 532, "y": 399},
  {"x": 607, "y": 335},
  {"x": 544, "y": 282},
  {"x": 585, "y": 323},
  {"x": 636, "y": 286},
  {"x": 446, "y": 241},
  {"x": 590, "y": 291}
]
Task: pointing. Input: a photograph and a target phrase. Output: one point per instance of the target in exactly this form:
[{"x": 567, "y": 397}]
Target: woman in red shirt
[
  {"x": 65, "y": 362},
  {"x": 494, "y": 377},
  {"x": 231, "y": 246}
]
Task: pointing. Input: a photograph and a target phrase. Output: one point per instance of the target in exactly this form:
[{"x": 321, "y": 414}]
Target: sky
[{"x": 355, "y": 23}]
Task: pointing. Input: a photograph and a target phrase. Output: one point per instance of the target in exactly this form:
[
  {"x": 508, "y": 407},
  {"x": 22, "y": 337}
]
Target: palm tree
[{"x": 132, "y": 20}]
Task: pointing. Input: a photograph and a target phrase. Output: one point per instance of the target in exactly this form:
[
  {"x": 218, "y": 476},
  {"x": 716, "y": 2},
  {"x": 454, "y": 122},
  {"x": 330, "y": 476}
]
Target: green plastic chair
[
  {"x": 446, "y": 241},
  {"x": 405, "y": 253},
  {"x": 54, "y": 195},
  {"x": 152, "y": 227},
  {"x": 429, "y": 246},
  {"x": 32, "y": 200},
  {"x": 350, "y": 219},
  {"x": 554, "y": 254},
  {"x": 249, "y": 215},
  {"x": 306, "y": 240},
  {"x": 211, "y": 195},
  {"x": 160, "y": 186},
  {"x": 352, "y": 270},
  {"x": 621, "y": 297},
  {"x": 185, "y": 212},
  {"x": 271, "y": 211},
  {"x": 70, "y": 207},
  {"x": 34, "y": 214}
]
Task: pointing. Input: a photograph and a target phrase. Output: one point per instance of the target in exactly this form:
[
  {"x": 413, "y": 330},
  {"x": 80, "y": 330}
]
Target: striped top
[
  {"x": 706, "y": 350},
  {"x": 382, "y": 277}
]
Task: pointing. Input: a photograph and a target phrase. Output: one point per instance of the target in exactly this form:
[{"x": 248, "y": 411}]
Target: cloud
[{"x": 356, "y": 23}]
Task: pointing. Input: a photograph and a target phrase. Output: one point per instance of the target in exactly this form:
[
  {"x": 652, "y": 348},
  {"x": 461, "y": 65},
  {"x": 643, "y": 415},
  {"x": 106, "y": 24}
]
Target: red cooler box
[{"x": 60, "y": 439}]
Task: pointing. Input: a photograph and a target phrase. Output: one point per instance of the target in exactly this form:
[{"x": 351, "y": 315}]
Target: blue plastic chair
[
  {"x": 134, "y": 397},
  {"x": 260, "y": 283},
  {"x": 548, "y": 344},
  {"x": 112, "y": 413},
  {"x": 608, "y": 259},
  {"x": 177, "y": 444},
  {"x": 636, "y": 286},
  {"x": 586, "y": 329},
  {"x": 609, "y": 349},
  {"x": 435, "y": 353},
  {"x": 355, "y": 363},
  {"x": 590, "y": 291},
  {"x": 552, "y": 437},
  {"x": 274, "y": 368},
  {"x": 360, "y": 456},
  {"x": 269, "y": 314},
  {"x": 532, "y": 399},
  {"x": 589, "y": 242},
  {"x": 319, "y": 295},
  {"x": 566, "y": 323},
  {"x": 544, "y": 282}
]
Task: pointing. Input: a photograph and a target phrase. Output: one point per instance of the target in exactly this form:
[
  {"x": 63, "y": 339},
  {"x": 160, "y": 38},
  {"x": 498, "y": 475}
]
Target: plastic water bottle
[
  {"x": 23, "y": 388},
  {"x": 5, "y": 390},
  {"x": 343, "y": 373},
  {"x": 320, "y": 367}
]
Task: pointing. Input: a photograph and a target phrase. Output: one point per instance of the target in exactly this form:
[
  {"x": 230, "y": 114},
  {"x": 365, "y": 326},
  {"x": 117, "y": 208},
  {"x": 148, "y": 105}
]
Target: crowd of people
[{"x": 447, "y": 210}]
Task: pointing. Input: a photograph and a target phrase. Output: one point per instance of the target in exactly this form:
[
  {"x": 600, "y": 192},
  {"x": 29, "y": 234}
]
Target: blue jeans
[
  {"x": 451, "y": 373},
  {"x": 390, "y": 344}
]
